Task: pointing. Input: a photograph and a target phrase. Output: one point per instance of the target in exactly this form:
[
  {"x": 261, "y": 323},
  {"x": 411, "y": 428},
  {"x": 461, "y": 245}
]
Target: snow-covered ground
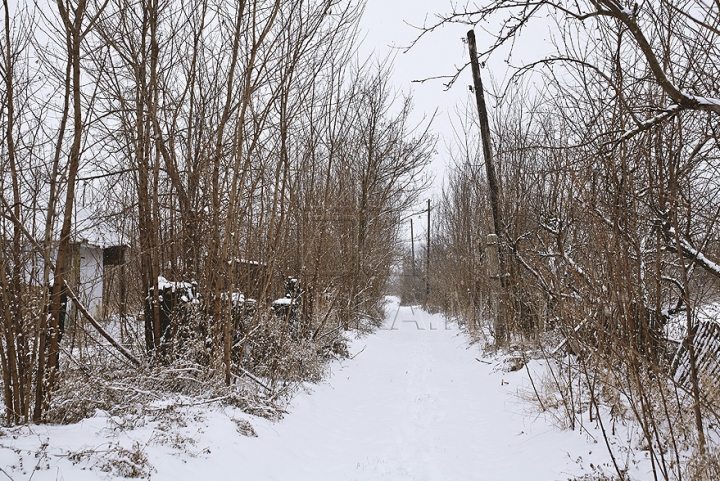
[{"x": 414, "y": 403}]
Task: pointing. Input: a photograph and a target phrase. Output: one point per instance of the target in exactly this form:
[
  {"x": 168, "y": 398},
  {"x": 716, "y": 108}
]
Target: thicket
[
  {"x": 609, "y": 161},
  {"x": 223, "y": 146}
]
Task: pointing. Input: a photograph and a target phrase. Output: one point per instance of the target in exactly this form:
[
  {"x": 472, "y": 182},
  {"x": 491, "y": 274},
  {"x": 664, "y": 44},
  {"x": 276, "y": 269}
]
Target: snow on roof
[
  {"x": 88, "y": 228},
  {"x": 283, "y": 301},
  {"x": 242, "y": 260},
  {"x": 165, "y": 284}
]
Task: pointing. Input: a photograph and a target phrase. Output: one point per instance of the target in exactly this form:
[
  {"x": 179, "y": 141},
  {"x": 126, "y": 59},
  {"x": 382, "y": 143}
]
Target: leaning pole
[{"x": 493, "y": 249}]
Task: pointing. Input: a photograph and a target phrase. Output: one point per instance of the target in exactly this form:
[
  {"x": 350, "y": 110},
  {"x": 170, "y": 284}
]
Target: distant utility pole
[
  {"x": 494, "y": 251},
  {"x": 412, "y": 247}
]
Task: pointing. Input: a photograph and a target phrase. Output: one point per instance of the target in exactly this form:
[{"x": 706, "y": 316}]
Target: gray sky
[{"x": 386, "y": 31}]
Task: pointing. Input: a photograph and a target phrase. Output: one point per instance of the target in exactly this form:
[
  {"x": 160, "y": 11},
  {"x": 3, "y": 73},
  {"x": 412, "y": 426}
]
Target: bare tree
[
  {"x": 230, "y": 145},
  {"x": 612, "y": 203}
]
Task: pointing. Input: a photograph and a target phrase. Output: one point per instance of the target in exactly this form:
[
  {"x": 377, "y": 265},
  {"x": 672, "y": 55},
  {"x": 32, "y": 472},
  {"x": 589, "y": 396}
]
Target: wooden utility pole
[
  {"x": 494, "y": 243},
  {"x": 497, "y": 288},
  {"x": 427, "y": 256},
  {"x": 485, "y": 133}
]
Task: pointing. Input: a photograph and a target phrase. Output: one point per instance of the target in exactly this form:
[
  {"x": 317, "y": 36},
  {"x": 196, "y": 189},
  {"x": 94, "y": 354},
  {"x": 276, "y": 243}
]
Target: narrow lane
[{"x": 414, "y": 404}]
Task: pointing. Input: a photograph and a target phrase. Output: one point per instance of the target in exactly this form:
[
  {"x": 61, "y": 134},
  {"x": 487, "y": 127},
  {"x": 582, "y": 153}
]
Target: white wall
[{"x": 90, "y": 290}]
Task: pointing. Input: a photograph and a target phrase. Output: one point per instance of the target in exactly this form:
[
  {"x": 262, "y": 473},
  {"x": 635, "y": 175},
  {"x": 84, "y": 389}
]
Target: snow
[
  {"x": 165, "y": 284},
  {"x": 705, "y": 101},
  {"x": 696, "y": 255},
  {"x": 700, "y": 257},
  {"x": 242, "y": 260},
  {"x": 669, "y": 112},
  {"x": 708, "y": 101},
  {"x": 415, "y": 402},
  {"x": 676, "y": 326}
]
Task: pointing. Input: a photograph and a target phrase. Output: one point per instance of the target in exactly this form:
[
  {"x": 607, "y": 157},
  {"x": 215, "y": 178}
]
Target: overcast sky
[{"x": 386, "y": 29}]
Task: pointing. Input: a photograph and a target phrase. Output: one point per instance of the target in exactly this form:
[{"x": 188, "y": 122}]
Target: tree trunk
[{"x": 73, "y": 31}]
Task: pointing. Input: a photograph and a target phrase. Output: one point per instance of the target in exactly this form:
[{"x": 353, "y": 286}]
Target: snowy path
[{"x": 415, "y": 403}]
